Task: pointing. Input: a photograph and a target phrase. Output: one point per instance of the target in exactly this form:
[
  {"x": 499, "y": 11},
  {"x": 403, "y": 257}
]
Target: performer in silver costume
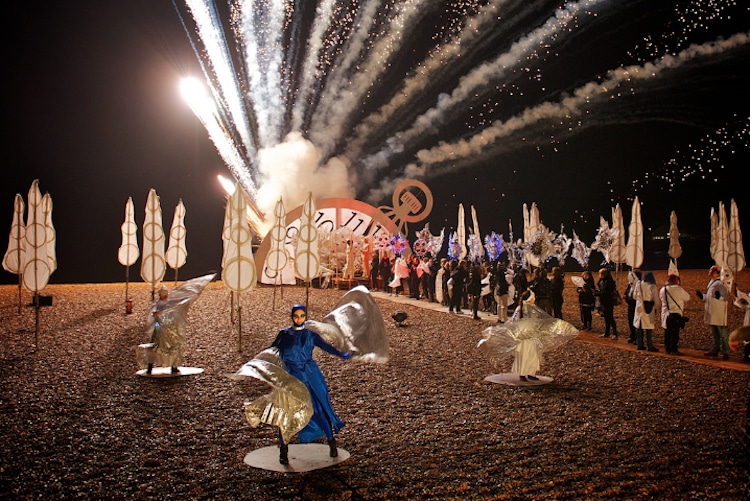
[{"x": 166, "y": 325}]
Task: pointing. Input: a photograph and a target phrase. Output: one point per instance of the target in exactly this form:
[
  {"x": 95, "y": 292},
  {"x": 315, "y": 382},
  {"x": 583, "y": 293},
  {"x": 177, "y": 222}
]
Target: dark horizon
[{"x": 94, "y": 112}]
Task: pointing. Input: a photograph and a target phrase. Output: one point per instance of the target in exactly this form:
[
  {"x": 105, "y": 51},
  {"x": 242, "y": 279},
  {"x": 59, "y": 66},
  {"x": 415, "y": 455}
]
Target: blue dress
[{"x": 296, "y": 348}]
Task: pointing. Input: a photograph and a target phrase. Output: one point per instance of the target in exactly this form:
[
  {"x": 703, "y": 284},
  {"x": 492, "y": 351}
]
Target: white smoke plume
[
  {"x": 586, "y": 100},
  {"x": 496, "y": 70},
  {"x": 343, "y": 96},
  {"x": 435, "y": 63},
  {"x": 292, "y": 169}
]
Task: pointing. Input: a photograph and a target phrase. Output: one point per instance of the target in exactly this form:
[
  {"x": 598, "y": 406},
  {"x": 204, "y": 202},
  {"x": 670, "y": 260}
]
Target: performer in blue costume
[{"x": 296, "y": 345}]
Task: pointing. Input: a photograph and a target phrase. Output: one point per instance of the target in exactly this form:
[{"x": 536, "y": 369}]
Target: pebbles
[{"x": 78, "y": 423}]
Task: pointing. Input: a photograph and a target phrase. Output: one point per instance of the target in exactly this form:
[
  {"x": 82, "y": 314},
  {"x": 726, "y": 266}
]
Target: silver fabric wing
[
  {"x": 500, "y": 341},
  {"x": 355, "y": 325},
  {"x": 168, "y": 349},
  {"x": 288, "y": 406}
]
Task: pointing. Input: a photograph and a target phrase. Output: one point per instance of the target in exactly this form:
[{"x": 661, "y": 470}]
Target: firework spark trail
[
  {"x": 590, "y": 99},
  {"x": 333, "y": 48},
  {"x": 701, "y": 159},
  {"x": 212, "y": 36},
  {"x": 322, "y": 23},
  {"x": 435, "y": 63},
  {"x": 205, "y": 110},
  {"x": 260, "y": 31},
  {"x": 519, "y": 54},
  {"x": 336, "y": 106},
  {"x": 368, "y": 39},
  {"x": 353, "y": 47}
]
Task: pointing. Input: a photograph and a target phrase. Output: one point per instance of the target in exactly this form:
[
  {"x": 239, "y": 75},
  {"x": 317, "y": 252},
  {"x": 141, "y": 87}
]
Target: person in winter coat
[
  {"x": 716, "y": 300},
  {"x": 541, "y": 288},
  {"x": 557, "y": 285},
  {"x": 374, "y": 271},
  {"x": 646, "y": 299},
  {"x": 587, "y": 300},
  {"x": 520, "y": 284},
  {"x": 634, "y": 277},
  {"x": 607, "y": 293},
  {"x": 459, "y": 274},
  {"x": 673, "y": 298},
  {"x": 474, "y": 289}
]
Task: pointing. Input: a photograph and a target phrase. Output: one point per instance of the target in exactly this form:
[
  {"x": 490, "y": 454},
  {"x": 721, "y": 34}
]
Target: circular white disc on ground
[
  {"x": 302, "y": 457},
  {"x": 512, "y": 379},
  {"x": 167, "y": 372}
]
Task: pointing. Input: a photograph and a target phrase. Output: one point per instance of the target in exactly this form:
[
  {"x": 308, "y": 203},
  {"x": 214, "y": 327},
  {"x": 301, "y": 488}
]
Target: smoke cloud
[{"x": 291, "y": 169}]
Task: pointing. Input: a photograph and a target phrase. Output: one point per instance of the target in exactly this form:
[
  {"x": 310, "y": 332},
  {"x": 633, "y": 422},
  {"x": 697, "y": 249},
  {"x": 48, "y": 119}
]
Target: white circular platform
[
  {"x": 512, "y": 379},
  {"x": 302, "y": 457},
  {"x": 161, "y": 372}
]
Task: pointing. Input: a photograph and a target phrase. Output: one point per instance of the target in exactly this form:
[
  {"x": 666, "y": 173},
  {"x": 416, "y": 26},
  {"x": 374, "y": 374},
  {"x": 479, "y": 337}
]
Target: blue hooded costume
[
  {"x": 296, "y": 345},
  {"x": 299, "y": 403}
]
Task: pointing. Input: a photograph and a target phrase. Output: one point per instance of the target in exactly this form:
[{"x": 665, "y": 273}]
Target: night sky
[{"x": 93, "y": 110}]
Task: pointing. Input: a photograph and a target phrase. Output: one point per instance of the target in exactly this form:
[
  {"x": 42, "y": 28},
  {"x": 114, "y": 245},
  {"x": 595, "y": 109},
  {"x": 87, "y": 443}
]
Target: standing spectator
[
  {"x": 740, "y": 338},
  {"x": 606, "y": 292},
  {"x": 458, "y": 280},
  {"x": 414, "y": 276},
  {"x": 520, "y": 284},
  {"x": 634, "y": 277},
  {"x": 440, "y": 282},
  {"x": 348, "y": 272},
  {"x": 434, "y": 268},
  {"x": 400, "y": 273},
  {"x": 557, "y": 284},
  {"x": 541, "y": 288},
  {"x": 502, "y": 288},
  {"x": 586, "y": 299},
  {"x": 464, "y": 293},
  {"x": 716, "y": 300},
  {"x": 425, "y": 273},
  {"x": 487, "y": 297},
  {"x": 646, "y": 298},
  {"x": 374, "y": 271},
  {"x": 474, "y": 289},
  {"x": 673, "y": 298},
  {"x": 446, "y": 283},
  {"x": 385, "y": 270}
]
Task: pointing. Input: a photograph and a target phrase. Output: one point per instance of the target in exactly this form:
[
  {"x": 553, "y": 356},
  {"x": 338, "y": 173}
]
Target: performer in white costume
[{"x": 528, "y": 333}]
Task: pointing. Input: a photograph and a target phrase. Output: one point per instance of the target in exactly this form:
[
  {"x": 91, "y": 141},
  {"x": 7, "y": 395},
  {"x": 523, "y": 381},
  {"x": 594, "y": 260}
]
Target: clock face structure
[{"x": 347, "y": 216}]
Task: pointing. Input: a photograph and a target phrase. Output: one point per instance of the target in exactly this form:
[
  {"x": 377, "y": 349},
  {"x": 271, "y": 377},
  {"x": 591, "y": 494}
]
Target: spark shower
[{"x": 349, "y": 98}]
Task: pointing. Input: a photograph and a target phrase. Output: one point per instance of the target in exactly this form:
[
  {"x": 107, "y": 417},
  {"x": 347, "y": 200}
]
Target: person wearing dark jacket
[
  {"x": 474, "y": 289},
  {"x": 458, "y": 278},
  {"x": 607, "y": 292},
  {"x": 374, "y": 271},
  {"x": 520, "y": 283},
  {"x": 557, "y": 285},
  {"x": 587, "y": 300},
  {"x": 541, "y": 288}
]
